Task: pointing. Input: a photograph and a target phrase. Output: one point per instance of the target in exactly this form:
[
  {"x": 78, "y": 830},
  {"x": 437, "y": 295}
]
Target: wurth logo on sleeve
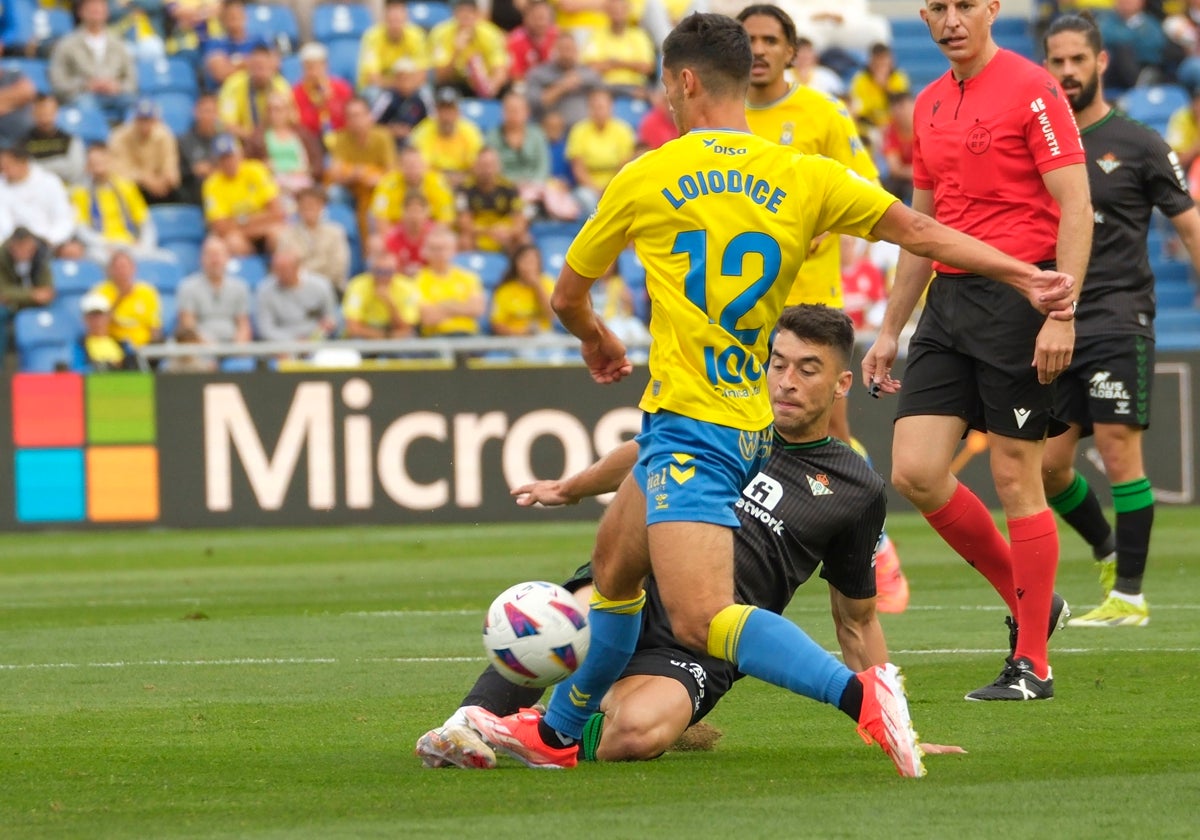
[{"x": 1038, "y": 106}]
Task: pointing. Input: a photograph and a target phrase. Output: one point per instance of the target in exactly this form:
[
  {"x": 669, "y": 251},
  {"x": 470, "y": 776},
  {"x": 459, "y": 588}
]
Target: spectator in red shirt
[
  {"x": 658, "y": 126},
  {"x": 863, "y": 285},
  {"x": 406, "y": 240},
  {"x": 898, "y": 146},
  {"x": 320, "y": 98},
  {"x": 530, "y": 43}
]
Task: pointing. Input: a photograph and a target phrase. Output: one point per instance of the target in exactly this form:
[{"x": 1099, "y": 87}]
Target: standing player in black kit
[{"x": 1106, "y": 390}]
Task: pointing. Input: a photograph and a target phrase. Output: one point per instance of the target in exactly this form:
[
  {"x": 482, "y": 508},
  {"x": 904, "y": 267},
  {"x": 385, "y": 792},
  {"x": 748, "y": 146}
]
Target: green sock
[
  {"x": 1134, "y": 503},
  {"x": 590, "y": 742},
  {"x": 1079, "y": 508}
]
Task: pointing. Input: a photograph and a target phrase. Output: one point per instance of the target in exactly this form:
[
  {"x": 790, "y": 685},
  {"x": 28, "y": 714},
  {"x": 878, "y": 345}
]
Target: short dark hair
[
  {"x": 713, "y": 46},
  {"x": 316, "y": 191},
  {"x": 820, "y": 324},
  {"x": 768, "y": 10},
  {"x": 1083, "y": 23}
]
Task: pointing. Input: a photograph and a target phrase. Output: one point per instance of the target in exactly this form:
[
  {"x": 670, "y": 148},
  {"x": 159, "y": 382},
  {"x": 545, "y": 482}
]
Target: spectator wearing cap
[
  {"x": 621, "y": 53},
  {"x": 531, "y": 43},
  {"x": 110, "y": 211},
  {"x": 294, "y": 304},
  {"x": 381, "y": 302},
  {"x": 212, "y": 302},
  {"x": 399, "y": 106},
  {"x": 469, "y": 53},
  {"x": 225, "y": 53},
  {"x": 871, "y": 86},
  {"x": 449, "y": 141},
  {"x": 452, "y": 298},
  {"x": 360, "y": 155},
  {"x": 491, "y": 214},
  {"x": 135, "y": 307},
  {"x": 197, "y": 153},
  {"x": 241, "y": 201},
  {"x": 25, "y": 278},
  {"x": 52, "y": 148},
  {"x": 562, "y": 85},
  {"x": 295, "y": 156},
  {"x": 320, "y": 97},
  {"x": 388, "y": 42},
  {"x": 99, "y": 350},
  {"x": 597, "y": 147},
  {"x": 322, "y": 245},
  {"x": 16, "y": 94},
  {"x": 145, "y": 151},
  {"x": 92, "y": 66},
  {"x": 35, "y": 199},
  {"x": 242, "y": 100}
]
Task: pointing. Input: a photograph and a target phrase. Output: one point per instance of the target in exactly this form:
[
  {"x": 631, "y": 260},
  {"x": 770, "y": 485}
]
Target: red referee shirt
[{"x": 982, "y": 146}]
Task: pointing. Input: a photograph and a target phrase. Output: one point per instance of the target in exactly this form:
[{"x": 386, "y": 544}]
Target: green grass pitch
[{"x": 262, "y": 684}]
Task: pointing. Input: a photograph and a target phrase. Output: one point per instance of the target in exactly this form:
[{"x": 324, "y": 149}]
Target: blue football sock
[
  {"x": 773, "y": 649},
  {"x": 616, "y": 626}
]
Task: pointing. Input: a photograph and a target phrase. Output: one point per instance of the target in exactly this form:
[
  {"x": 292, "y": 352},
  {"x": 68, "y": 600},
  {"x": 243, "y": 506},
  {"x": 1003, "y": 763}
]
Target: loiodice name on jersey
[{"x": 717, "y": 181}]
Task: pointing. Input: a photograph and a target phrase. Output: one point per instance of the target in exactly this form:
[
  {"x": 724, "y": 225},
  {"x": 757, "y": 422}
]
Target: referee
[{"x": 1106, "y": 390}]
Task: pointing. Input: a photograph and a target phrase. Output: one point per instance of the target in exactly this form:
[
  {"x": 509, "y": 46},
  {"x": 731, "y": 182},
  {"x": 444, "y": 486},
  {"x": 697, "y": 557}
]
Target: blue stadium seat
[
  {"x": 1170, "y": 271},
  {"x": 428, "y": 13},
  {"x": 187, "y": 255},
  {"x": 239, "y": 364},
  {"x": 1178, "y": 321},
  {"x": 73, "y": 277},
  {"x": 489, "y": 266},
  {"x": 273, "y": 23},
  {"x": 164, "y": 275},
  {"x": 630, "y": 267},
  {"x": 289, "y": 68},
  {"x": 485, "y": 113},
  {"x": 1174, "y": 296},
  {"x": 551, "y": 227},
  {"x": 177, "y": 110},
  {"x": 1154, "y": 104},
  {"x": 167, "y": 75},
  {"x": 34, "y": 69},
  {"x": 45, "y": 337},
  {"x": 922, "y": 72},
  {"x": 88, "y": 124},
  {"x": 908, "y": 27},
  {"x": 340, "y": 20},
  {"x": 554, "y": 252},
  {"x": 630, "y": 110},
  {"x": 344, "y": 215},
  {"x": 178, "y": 223},
  {"x": 252, "y": 269},
  {"x": 343, "y": 58},
  {"x": 168, "y": 312}
]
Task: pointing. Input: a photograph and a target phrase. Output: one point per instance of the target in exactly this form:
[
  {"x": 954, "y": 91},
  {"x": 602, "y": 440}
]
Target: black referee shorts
[{"x": 972, "y": 357}]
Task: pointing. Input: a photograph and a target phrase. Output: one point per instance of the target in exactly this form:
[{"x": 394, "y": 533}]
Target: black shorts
[
  {"x": 1109, "y": 381},
  {"x": 972, "y": 357},
  {"x": 706, "y": 680}
]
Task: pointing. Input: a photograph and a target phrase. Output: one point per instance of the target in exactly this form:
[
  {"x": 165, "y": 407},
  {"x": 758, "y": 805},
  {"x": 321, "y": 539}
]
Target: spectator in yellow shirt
[
  {"x": 241, "y": 201},
  {"x": 412, "y": 175},
  {"x": 1183, "y": 131},
  {"x": 359, "y": 156},
  {"x": 469, "y": 52},
  {"x": 621, "y": 53},
  {"x": 521, "y": 303},
  {"x": 135, "y": 309},
  {"x": 110, "y": 210},
  {"x": 871, "y": 87},
  {"x": 243, "y": 97},
  {"x": 447, "y": 140},
  {"x": 597, "y": 147},
  {"x": 381, "y": 302},
  {"x": 452, "y": 298},
  {"x": 388, "y": 42}
]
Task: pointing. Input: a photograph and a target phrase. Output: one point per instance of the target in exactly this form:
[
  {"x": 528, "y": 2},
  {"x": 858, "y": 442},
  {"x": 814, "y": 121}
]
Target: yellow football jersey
[
  {"x": 721, "y": 221},
  {"x": 816, "y": 124}
]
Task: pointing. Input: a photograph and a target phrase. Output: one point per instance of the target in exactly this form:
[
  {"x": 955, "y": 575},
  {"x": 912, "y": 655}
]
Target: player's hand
[
  {"x": 547, "y": 493},
  {"x": 877, "y": 366},
  {"x": 1053, "y": 350},
  {"x": 1052, "y": 292},
  {"x": 942, "y": 749},
  {"x": 605, "y": 358}
]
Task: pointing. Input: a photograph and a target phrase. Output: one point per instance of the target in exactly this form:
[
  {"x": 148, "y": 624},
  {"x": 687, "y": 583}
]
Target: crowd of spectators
[{"x": 361, "y": 157}]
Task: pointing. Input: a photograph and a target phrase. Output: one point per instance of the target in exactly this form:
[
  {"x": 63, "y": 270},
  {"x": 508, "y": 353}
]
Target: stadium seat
[
  {"x": 490, "y": 267},
  {"x": 630, "y": 110},
  {"x": 1174, "y": 296},
  {"x": 164, "y": 275},
  {"x": 1179, "y": 321},
  {"x": 554, "y": 252},
  {"x": 908, "y": 28},
  {"x": 485, "y": 113},
  {"x": 75, "y": 277},
  {"x": 343, "y": 58},
  {"x": 167, "y": 75},
  {"x": 551, "y": 227},
  {"x": 177, "y": 110},
  {"x": 45, "y": 337},
  {"x": 178, "y": 223},
  {"x": 168, "y": 312},
  {"x": 88, "y": 124},
  {"x": 51, "y": 24},
  {"x": 344, "y": 215},
  {"x": 1154, "y": 104},
  {"x": 428, "y": 13},
  {"x": 1170, "y": 271},
  {"x": 34, "y": 69},
  {"x": 340, "y": 20},
  {"x": 289, "y": 68},
  {"x": 187, "y": 255},
  {"x": 239, "y": 364},
  {"x": 926, "y": 70},
  {"x": 252, "y": 269},
  {"x": 273, "y": 23},
  {"x": 630, "y": 267}
]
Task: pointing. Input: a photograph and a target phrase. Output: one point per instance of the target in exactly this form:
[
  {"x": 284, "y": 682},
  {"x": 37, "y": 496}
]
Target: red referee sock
[
  {"x": 967, "y": 526},
  {"x": 1034, "y": 562}
]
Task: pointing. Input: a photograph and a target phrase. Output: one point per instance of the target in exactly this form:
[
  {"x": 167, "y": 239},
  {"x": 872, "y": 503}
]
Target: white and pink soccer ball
[{"x": 536, "y": 634}]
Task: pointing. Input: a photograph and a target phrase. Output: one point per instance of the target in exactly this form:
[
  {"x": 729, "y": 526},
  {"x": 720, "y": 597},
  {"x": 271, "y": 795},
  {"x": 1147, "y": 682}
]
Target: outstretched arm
[{"x": 604, "y": 476}]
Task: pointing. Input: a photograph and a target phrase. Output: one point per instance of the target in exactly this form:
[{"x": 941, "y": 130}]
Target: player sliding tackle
[{"x": 718, "y": 269}]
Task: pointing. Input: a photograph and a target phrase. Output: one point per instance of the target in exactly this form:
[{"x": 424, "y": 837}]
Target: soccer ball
[{"x": 536, "y": 634}]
